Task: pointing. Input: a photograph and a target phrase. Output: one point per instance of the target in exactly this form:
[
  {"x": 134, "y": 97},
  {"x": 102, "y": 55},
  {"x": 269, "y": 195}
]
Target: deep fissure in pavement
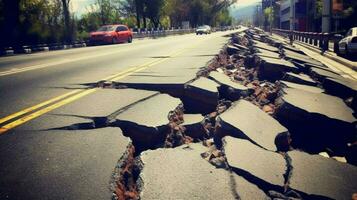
[{"x": 242, "y": 74}]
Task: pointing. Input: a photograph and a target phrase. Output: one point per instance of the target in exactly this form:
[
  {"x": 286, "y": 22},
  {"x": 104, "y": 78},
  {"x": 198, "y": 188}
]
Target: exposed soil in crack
[{"x": 125, "y": 176}]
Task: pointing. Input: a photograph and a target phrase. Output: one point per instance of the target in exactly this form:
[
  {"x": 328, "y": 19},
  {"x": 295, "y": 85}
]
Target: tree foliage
[{"x": 28, "y": 22}]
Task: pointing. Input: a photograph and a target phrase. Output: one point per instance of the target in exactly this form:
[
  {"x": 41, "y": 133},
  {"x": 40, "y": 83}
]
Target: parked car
[
  {"x": 205, "y": 29},
  {"x": 111, "y": 34},
  {"x": 348, "y": 45}
]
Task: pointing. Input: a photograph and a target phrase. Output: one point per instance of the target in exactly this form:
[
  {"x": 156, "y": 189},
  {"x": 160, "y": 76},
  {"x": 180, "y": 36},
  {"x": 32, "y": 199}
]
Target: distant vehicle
[
  {"x": 348, "y": 45},
  {"x": 111, "y": 34},
  {"x": 205, "y": 29}
]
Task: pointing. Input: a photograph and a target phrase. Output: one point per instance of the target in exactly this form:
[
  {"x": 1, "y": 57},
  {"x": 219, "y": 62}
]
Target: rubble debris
[
  {"x": 229, "y": 89},
  {"x": 201, "y": 96},
  {"x": 181, "y": 173},
  {"x": 237, "y": 122},
  {"x": 274, "y": 69},
  {"x": 264, "y": 94},
  {"x": 299, "y": 79},
  {"x": 147, "y": 123},
  {"x": 315, "y": 120},
  {"x": 287, "y": 84}
]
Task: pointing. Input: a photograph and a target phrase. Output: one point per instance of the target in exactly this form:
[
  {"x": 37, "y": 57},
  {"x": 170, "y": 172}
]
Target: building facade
[{"x": 297, "y": 14}]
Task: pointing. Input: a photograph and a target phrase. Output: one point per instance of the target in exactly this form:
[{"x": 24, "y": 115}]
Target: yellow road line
[
  {"x": 45, "y": 110},
  {"x": 80, "y": 93},
  {"x": 36, "y": 106}
]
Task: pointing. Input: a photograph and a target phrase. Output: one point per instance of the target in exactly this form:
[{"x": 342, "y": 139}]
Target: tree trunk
[
  {"x": 138, "y": 9},
  {"x": 11, "y": 21},
  {"x": 66, "y": 16}
]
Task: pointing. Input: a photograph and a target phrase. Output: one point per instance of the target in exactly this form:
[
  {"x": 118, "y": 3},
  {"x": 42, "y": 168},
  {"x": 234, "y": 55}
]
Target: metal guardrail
[
  {"x": 320, "y": 40},
  {"x": 138, "y": 33},
  {"x": 160, "y": 32}
]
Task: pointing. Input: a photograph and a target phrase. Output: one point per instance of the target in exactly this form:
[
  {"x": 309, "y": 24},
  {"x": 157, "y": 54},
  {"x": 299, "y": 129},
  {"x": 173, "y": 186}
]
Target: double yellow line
[{"x": 28, "y": 114}]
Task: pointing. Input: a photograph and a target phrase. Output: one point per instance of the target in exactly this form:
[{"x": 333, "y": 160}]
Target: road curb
[{"x": 328, "y": 54}]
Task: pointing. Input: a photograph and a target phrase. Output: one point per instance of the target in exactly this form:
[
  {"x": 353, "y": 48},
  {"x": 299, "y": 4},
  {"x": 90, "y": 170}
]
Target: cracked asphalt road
[{"x": 27, "y": 80}]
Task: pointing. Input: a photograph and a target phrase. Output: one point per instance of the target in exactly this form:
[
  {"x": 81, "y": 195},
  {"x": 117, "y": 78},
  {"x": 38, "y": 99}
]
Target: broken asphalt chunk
[
  {"x": 274, "y": 69},
  {"x": 321, "y": 74},
  {"x": 201, "y": 96},
  {"x": 229, "y": 89},
  {"x": 262, "y": 45},
  {"x": 181, "y": 173},
  {"x": 60, "y": 164},
  {"x": 299, "y": 79},
  {"x": 262, "y": 164},
  {"x": 287, "y": 84},
  {"x": 343, "y": 87},
  {"x": 315, "y": 120},
  {"x": 314, "y": 174},
  {"x": 238, "y": 121},
  {"x": 146, "y": 122},
  {"x": 232, "y": 49},
  {"x": 193, "y": 124},
  {"x": 103, "y": 103}
]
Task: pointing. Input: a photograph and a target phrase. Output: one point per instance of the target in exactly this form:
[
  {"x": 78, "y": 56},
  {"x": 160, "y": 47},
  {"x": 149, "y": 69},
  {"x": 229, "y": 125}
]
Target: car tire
[
  {"x": 114, "y": 40},
  {"x": 130, "y": 39}
]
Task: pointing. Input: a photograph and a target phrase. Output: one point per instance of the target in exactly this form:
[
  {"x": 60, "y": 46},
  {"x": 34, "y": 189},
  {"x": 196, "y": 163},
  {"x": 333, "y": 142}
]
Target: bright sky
[
  {"x": 243, "y": 3},
  {"x": 80, "y": 7}
]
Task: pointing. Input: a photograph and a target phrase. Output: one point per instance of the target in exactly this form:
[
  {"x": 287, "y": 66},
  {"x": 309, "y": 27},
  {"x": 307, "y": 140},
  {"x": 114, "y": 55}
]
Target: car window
[
  {"x": 349, "y": 33},
  {"x": 106, "y": 28},
  {"x": 122, "y": 28}
]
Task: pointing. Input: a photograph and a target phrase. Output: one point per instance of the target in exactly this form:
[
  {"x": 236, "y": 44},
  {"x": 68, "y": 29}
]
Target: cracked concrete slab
[
  {"x": 274, "y": 69},
  {"x": 301, "y": 87},
  {"x": 237, "y": 122},
  {"x": 265, "y": 46},
  {"x": 316, "y": 120},
  {"x": 193, "y": 124},
  {"x": 201, "y": 96},
  {"x": 291, "y": 55},
  {"x": 59, "y": 164},
  {"x": 343, "y": 87},
  {"x": 322, "y": 176},
  {"x": 229, "y": 89},
  {"x": 266, "y": 53},
  {"x": 299, "y": 79},
  {"x": 181, "y": 173},
  {"x": 266, "y": 165},
  {"x": 146, "y": 122},
  {"x": 321, "y": 74},
  {"x": 104, "y": 102}
]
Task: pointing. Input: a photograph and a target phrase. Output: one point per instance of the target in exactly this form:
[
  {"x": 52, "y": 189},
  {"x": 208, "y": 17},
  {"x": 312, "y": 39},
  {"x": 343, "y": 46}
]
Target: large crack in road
[{"x": 237, "y": 128}]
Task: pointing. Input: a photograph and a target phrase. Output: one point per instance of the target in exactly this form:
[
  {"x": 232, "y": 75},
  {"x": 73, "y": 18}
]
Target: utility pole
[{"x": 326, "y": 16}]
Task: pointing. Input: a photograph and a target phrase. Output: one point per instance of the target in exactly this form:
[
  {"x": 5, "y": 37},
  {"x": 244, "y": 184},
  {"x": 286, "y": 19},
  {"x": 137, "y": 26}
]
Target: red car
[{"x": 111, "y": 34}]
